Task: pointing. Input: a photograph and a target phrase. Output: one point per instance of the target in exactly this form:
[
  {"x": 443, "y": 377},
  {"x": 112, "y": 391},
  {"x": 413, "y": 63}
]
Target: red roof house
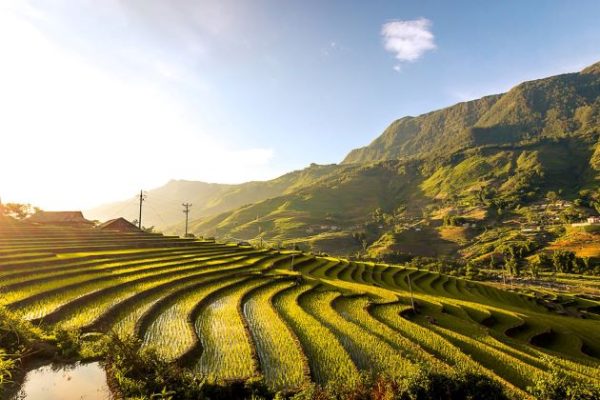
[{"x": 119, "y": 224}]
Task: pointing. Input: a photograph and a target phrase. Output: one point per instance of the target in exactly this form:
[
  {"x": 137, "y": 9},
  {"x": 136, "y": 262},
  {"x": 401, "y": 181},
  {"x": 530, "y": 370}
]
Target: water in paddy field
[{"x": 65, "y": 382}]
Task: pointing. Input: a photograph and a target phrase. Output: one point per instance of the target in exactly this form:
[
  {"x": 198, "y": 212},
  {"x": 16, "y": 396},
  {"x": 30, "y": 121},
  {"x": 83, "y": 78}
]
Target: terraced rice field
[{"x": 234, "y": 312}]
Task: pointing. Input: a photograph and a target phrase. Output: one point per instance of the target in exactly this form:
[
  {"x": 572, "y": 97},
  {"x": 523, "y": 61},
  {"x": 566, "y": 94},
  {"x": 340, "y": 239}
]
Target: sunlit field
[{"x": 236, "y": 312}]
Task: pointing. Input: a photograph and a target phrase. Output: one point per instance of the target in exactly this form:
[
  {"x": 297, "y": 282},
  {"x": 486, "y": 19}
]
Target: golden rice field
[{"x": 234, "y": 312}]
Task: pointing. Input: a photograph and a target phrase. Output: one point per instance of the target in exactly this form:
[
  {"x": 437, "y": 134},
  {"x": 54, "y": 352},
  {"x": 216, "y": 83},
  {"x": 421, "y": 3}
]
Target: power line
[{"x": 186, "y": 211}]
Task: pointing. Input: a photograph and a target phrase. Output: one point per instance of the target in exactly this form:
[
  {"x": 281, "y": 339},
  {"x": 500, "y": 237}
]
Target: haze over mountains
[{"x": 540, "y": 136}]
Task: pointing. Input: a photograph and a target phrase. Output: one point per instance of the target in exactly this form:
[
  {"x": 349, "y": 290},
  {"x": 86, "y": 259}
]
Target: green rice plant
[
  {"x": 354, "y": 309},
  {"x": 122, "y": 317},
  {"x": 445, "y": 350},
  {"x": 321, "y": 270},
  {"x": 103, "y": 263},
  {"x": 327, "y": 358},
  {"x": 282, "y": 361},
  {"x": 170, "y": 333},
  {"x": 87, "y": 312},
  {"x": 512, "y": 369},
  {"x": 228, "y": 352},
  {"x": 46, "y": 284},
  {"x": 368, "y": 351},
  {"x": 332, "y": 273},
  {"x": 46, "y": 302},
  {"x": 346, "y": 273}
]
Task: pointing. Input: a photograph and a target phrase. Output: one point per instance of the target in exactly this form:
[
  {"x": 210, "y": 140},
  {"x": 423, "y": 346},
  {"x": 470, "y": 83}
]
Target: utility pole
[
  {"x": 186, "y": 211},
  {"x": 142, "y": 198}
]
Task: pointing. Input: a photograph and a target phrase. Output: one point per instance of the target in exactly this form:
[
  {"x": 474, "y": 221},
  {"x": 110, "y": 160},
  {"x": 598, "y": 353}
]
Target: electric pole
[
  {"x": 142, "y": 198},
  {"x": 186, "y": 211}
]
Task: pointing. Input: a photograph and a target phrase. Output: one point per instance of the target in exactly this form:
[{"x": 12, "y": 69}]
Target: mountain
[
  {"x": 559, "y": 106},
  {"x": 347, "y": 201},
  {"x": 487, "y": 163},
  {"x": 476, "y": 158},
  {"x": 162, "y": 207}
]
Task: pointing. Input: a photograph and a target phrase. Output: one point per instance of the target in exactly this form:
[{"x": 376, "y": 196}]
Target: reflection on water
[{"x": 65, "y": 382}]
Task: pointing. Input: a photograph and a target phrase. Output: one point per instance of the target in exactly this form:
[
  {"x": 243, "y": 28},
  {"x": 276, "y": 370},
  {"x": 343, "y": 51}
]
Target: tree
[
  {"x": 544, "y": 260},
  {"x": 552, "y": 196},
  {"x": 17, "y": 210},
  {"x": 472, "y": 270},
  {"x": 534, "y": 268},
  {"x": 563, "y": 261},
  {"x": 512, "y": 266},
  {"x": 378, "y": 216}
]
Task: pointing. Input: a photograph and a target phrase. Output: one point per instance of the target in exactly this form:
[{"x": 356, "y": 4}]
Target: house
[
  {"x": 590, "y": 221},
  {"x": 61, "y": 218},
  {"x": 530, "y": 228},
  {"x": 593, "y": 220},
  {"x": 118, "y": 224}
]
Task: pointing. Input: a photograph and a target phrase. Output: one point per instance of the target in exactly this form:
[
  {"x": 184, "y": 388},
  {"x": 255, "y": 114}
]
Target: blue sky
[{"x": 112, "y": 96}]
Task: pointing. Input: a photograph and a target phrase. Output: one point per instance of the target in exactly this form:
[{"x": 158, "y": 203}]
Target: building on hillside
[
  {"x": 593, "y": 220},
  {"x": 61, "y": 218},
  {"x": 119, "y": 224},
  {"x": 530, "y": 228},
  {"x": 590, "y": 221}
]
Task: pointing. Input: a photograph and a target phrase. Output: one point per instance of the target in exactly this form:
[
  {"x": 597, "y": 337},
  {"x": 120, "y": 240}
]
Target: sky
[{"x": 102, "y": 98}]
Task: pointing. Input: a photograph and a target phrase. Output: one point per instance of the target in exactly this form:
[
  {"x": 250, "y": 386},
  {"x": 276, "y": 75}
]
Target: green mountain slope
[
  {"x": 558, "y": 106},
  {"x": 347, "y": 201},
  {"x": 162, "y": 207},
  {"x": 493, "y": 154},
  {"x": 486, "y": 160}
]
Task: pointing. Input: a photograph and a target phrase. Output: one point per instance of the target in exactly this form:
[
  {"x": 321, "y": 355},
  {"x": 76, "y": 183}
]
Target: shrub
[{"x": 559, "y": 386}]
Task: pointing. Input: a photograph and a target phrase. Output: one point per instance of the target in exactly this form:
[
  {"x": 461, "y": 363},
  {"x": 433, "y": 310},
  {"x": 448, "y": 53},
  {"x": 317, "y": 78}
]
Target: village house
[
  {"x": 530, "y": 228},
  {"x": 594, "y": 220},
  {"x": 72, "y": 219},
  {"x": 118, "y": 224}
]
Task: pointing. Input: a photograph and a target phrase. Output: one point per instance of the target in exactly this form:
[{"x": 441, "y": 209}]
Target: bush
[
  {"x": 142, "y": 373},
  {"x": 558, "y": 386},
  {"x": 67, "y": 344},
  {"x": 18, "y": 339},
  {"x": 423, "y": 386}
]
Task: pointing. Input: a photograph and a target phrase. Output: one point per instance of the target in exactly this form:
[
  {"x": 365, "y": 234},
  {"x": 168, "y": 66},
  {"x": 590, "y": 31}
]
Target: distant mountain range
[
  {"x": 162, "y": 207},
  {"x": 511, "y": 148}
]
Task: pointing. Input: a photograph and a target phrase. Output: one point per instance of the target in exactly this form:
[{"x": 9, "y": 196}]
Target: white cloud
[{"x": 408, "y": 40}]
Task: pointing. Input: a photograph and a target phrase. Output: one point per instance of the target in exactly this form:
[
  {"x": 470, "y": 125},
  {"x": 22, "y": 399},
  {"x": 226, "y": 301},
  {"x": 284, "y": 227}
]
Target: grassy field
[{"x": 236, "y": 312}]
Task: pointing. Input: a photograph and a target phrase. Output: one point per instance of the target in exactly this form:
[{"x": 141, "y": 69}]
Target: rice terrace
[
  {"x": 299, "y": 200},
  {"x": 232, "y": 312}
]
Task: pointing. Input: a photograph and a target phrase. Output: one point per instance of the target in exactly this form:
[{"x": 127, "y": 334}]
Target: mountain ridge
[
  {"x": 530, "y": 109},
  {"x": 480, "y": 157}
]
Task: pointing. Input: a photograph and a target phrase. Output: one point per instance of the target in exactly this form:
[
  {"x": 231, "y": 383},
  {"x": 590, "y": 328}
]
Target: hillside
[
  {"x": 559, "y": 106},
  {"x": 396, "y": 194},
  {"x": 484, "y": 160},
  {"x": 490, "y": 162},
  {"x": 162, "y": 207}
]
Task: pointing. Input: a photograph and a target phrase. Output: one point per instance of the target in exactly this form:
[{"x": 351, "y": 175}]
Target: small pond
[{"x": 65, "y": 382}]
